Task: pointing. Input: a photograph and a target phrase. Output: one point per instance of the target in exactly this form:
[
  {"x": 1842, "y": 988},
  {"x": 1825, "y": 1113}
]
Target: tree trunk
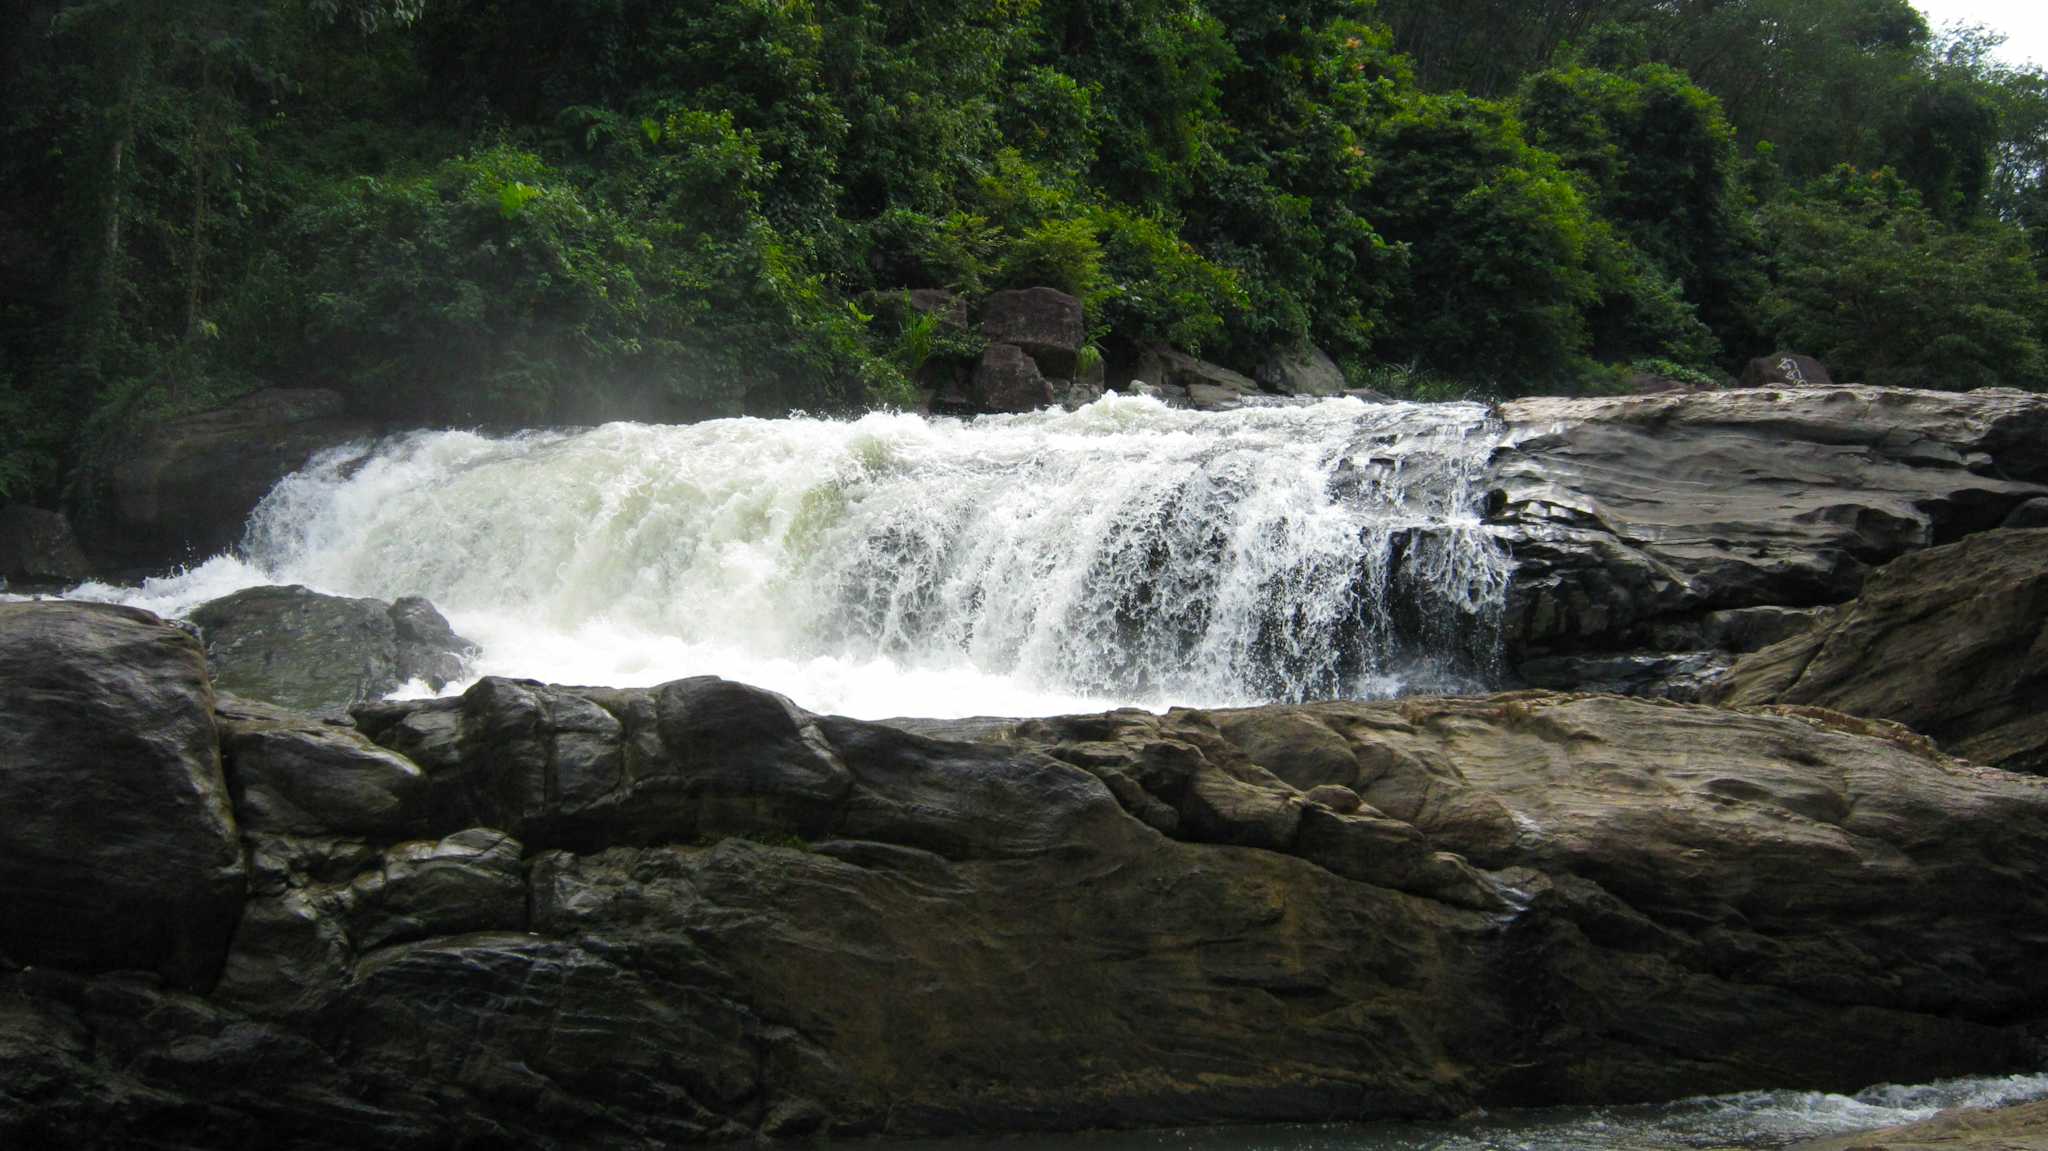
[
  {"x": 195, "y": 259},
  {"x": 102, "y": 308}
]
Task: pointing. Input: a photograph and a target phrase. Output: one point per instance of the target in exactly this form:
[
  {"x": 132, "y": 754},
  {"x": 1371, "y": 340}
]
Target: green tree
[
  {"x": 1870, "y": 281},
  {"x": 1498, "y": 240},
  {"x": 1660, "y": 163}
]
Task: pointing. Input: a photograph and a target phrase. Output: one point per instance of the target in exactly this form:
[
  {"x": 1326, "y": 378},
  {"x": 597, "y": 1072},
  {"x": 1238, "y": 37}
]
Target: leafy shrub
[
  {"x": 1867, "y": 280},
  {"x": 1061, "y": 254},
  {"x": 1498, "y": 240},
  {"x": 1158, "y": 287}
]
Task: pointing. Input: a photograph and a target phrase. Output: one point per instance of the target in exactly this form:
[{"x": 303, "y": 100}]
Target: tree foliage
[{"x": 517, "y": 211}]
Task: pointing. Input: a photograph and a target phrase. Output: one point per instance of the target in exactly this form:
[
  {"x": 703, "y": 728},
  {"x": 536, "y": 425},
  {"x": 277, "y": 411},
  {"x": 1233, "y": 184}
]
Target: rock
[
  {"x": 705, "y": 758},
  {"x": 1046, "y": 324},
  {"x": 185, "y": 492},
  {"x": 119, "y": 849},
  {"x": 1301, "y": 370},
  {"x": 474, "y": 880},
  {"x": 1785, "y": 369},
  {"x": 298, "y": 648},
  {"x": 2022, "y": 1127},
  {"x": 1628, "y": 514},
  {"x": 696, "y": 913},
  {"x": 37, "y": 548},
  {"x": 1185, "y": 381},
  {"x": 1683, "y": 676},
  {"x": 1007, "y": 380},
  {"x": 1086, "y": 388},
  {"x": 947, "y": 306},
  {"x": 1952, "y": 642},
  {"x": 2032, "y": 514},
  {"x": 290, "y": 774},
  {"x": 1650, "y": 384},
  {"x": 1336, "y": 797},
  {"x": 1750, "y": 629}
]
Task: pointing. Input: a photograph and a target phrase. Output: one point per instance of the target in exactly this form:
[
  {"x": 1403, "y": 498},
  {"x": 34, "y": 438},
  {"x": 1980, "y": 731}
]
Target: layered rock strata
[
  {"x": 1657, "y": 536},
  {"x": 1952, "y": 642}
]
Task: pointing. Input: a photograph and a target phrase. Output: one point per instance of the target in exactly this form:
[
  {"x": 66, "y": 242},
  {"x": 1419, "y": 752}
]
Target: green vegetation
[{"x": 528, "y": 211}]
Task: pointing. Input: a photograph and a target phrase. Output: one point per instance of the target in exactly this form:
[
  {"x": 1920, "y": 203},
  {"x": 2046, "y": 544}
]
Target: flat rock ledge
[{"x": 580, "y": 918}]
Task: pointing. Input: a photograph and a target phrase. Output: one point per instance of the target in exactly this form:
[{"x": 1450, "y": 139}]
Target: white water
[
  {"x": 1126, "y": 553},
  {"x": 1755, "y": 1119}
]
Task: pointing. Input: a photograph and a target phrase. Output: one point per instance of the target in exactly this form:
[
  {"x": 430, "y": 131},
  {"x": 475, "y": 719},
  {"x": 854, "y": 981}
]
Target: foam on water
[
  {"x": 1756, "y": 1119},
  {"x": 1126, "y": 553}
]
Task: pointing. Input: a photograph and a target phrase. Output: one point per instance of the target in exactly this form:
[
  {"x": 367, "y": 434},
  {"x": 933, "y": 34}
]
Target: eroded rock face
[
  {"x": 1639, "y": 522},
  {"x": 1952, "y": 642},
  {"x": 567, "y": 917},
  {"x": 186, "y": 491},
  {"x": 297, "y": 648},
  {"x": 1046, "y": 324},
  {"x": 118, "y": 849}
]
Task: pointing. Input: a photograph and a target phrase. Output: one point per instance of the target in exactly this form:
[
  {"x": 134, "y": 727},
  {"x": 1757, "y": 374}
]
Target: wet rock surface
[
  {"x": 1952, "y": 642},
  {"x": 119, "y": 848},
  {"x": 565, "y": 917},
  {"x": 298, "y": 648},
  {"x": 1638, "y": 524}
]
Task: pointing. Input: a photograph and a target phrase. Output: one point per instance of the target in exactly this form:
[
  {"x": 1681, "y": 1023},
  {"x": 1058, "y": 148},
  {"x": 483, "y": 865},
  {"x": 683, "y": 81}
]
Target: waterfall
[{"x": 1126, "y": 553}]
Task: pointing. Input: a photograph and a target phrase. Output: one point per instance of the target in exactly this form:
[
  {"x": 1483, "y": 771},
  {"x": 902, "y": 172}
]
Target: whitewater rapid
[
  {"x": 1123, "y": 554},
  {"x": 1750, "y": 1120}
]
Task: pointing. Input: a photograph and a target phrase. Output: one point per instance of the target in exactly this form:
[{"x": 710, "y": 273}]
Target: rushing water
[
  {"x": 1756, "y": 1119},
  {"x": 894, "y": 565},
  {"x": 1126, "y": 553}
]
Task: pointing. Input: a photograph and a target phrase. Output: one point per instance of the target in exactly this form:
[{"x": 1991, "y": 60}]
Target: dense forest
[{"x": 523, "y": 211}]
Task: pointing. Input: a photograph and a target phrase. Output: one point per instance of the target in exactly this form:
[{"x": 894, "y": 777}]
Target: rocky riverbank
[
  {"x": 607, "y": 918},
  {"x": 2021, "y": 1128},
  {"x": 1656, "y": 537}
]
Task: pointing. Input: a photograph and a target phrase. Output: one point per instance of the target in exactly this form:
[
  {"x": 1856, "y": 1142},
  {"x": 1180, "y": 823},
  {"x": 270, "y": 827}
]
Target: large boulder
[
  {"x": 1047, "y": 324},
  {"x": 1190, "y": 382},
  {"x": 184, "y": 492},
  {"x": 1008, "y": 380},
  {"x": 1952, "y": 642},
  {"x": 301, "y": 649},
  {"x": 37, "y": 548},
  {"x": 118, "y": 851},
  {"x": 1635, "y": 521},
  {"x": 697, "y": 913},
  {"x": 1301, "y": 370},
  {"x": 291, "y": 774}
]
